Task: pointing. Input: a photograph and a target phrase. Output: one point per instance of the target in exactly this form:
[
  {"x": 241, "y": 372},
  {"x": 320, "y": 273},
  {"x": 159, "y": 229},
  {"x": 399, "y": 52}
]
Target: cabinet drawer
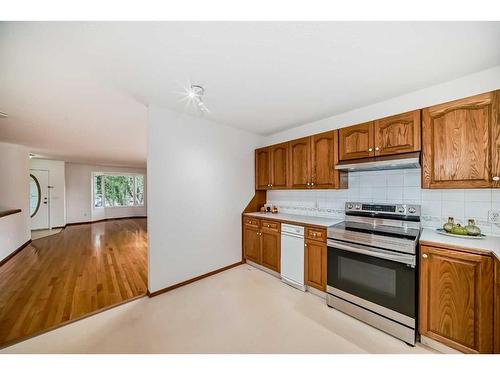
[
  {"x": 316, "y": 234},
  {"x": 252, "y": 222},
  {"x": 271, "y": 225}
]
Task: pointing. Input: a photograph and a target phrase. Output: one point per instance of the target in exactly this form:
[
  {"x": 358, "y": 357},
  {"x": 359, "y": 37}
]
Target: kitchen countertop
[
  {"x": 298, "y": 219},
  {"x": 490, "y": 244}
]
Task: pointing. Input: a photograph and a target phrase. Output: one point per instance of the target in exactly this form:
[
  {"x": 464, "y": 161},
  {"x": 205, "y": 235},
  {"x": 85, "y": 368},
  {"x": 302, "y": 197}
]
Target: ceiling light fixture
[{"x": 195, "y": 94}]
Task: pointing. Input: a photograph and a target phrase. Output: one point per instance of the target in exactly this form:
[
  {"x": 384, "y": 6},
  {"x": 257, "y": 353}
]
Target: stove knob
[
  {"x": 412, "y": 210},
  {"x": 401, "y": 210},
  {"x": 349, "y": 206},
  {"x": 358, "y": 207}
]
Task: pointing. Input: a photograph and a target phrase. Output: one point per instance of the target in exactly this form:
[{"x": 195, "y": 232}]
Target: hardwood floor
[{"x": 63, "y": 277}]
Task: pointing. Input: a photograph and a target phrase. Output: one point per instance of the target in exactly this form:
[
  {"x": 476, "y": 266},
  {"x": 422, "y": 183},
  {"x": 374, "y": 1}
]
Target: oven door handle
[{"x": 384, "y": 254}]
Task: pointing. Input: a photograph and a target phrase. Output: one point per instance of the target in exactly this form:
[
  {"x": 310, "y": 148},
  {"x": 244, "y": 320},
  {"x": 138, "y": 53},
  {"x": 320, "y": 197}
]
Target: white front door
[{"x": 39, "y": 198}]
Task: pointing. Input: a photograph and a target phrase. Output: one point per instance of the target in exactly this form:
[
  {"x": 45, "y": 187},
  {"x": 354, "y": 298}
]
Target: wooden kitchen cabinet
[
  {"x": 496, "y": 338},
  {"x": 397, "y": 134},
  {"x": 251, "y": 243},
  {"x": 315, "y": 258},
  {"x": 456, "y": 299},
  {"x": 262, "y": 242},
  {"x": 324, "y": 158},
  {"x": 356, "y": 141},
  {"x": 300, "y": 163},
  {"x": 270, "y": 248},
  {"x": 461, "y": 141},
  {"x": 262, "y": 168},
  {"x": 271, "y": 167},
  {"x": 279, "y": 166}
]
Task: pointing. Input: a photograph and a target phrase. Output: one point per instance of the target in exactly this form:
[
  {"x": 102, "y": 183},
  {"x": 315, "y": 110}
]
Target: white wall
[
  {"x": 56, "y": 170},
  {"x": 79, "y": 201},
  {"x": 201, "y": 177},
  {"x": 14, "y": 193},
  {"x": 484, "y": 81},
  {"x": 396, "y": 186}
]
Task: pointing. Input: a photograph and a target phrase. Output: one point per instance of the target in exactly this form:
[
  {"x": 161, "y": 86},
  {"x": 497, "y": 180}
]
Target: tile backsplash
[{"x": 394, "y": 186}]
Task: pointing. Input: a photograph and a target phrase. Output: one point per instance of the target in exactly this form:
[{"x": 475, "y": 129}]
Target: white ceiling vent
[{"x": 3, "y": 115}]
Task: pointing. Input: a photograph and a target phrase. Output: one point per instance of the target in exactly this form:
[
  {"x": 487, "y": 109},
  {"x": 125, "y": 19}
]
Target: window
[{"x": 118, "y": 190}]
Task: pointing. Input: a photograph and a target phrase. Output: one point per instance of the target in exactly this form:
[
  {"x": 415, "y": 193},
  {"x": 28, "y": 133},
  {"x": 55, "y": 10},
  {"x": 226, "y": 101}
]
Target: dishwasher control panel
[{"x": 292, "y": 229}]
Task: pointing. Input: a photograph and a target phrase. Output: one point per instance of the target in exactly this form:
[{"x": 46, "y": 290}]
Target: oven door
[{"x": 379, "y": 280}]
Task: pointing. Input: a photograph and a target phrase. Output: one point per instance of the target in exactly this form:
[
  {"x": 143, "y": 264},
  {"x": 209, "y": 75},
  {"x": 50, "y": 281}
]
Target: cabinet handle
[
  {"x": 424, "y": 256},
  {"x": 308, "y": 184},
  {"x": 496, "y": 178},
  {"x": 370, "y": 149},
  {"x": 376, "y": 148},
  {"x": 271, "y": 185},
  {"x": 312, "y": 183},
  {"x": 305, "y": 245}
]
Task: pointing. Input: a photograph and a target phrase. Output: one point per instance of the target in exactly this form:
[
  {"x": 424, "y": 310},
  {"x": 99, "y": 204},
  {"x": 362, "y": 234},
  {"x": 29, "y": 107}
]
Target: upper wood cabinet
[
  {"x": 262, "y": 168},
  {"x": 397, "y": 134},
  {"x": 461, "y": 141},
  {"x": 279, "y": 166},
  {"x": 456, "y": 299},
  {"x": 388, "y": 136},
  {"x": 324, "y": 158},
  {"x": 300, "y": 163},
  {"x": 271, "y": 167},
  {"x": 356, "y": 141}
]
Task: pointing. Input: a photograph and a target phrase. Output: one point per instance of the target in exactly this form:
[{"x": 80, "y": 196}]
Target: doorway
[{"x": 39, "y": 199}]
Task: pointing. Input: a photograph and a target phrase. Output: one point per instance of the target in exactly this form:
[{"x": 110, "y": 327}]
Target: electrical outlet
[{"x": 494, "y": 216}]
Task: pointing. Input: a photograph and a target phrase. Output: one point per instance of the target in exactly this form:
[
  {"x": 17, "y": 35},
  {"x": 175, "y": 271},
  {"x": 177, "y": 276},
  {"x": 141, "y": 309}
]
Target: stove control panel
[{"x": 376, "y": 208}]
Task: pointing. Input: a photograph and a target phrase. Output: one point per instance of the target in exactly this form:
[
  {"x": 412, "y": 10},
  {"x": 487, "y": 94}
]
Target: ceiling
[{"x": 79, "y": 91}]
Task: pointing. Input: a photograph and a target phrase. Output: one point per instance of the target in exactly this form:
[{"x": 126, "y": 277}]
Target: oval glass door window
[{"x": 35, "y": 195}]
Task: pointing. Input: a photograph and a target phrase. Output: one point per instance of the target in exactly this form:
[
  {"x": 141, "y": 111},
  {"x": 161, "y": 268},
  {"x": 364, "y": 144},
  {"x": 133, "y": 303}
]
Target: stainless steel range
[{"x": 372, "y": 259}]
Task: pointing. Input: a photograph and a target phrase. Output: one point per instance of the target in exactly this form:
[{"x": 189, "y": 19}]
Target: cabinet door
[
  {"x": 324, "y": 157},
  {"x": 495, "y": 139},
  {"x": 300, "y": 163},
  {"x": 315, "y": 264},
  {"x": 497, "y": 308},
  {"x": 457, "y": 143},
  {"x": 356, "y": 141},
  {"x": 398, "y": 134},
  {"x": 262, "y": 169},
  {"x": 279, "y": 166},
  {"x": 251, "y": 244},
  {"x": 456, "y": 299},
  {"x": 271, "y": 244}
]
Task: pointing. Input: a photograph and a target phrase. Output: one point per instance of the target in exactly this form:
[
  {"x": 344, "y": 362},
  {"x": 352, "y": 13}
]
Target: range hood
[{"x": 377, "y": 163}]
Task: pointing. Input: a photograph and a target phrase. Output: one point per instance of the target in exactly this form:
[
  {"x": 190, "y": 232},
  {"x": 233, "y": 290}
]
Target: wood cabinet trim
[
  {"x": 304, "y": 165},
  {"x": 275, "y": 184},
  {"x": 311, "y": 280}
]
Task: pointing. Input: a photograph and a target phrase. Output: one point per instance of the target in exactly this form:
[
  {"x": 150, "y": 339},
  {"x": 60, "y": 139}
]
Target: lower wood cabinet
[
  {"x": 251, "y": 243},
  {"x": 262, "y": 243},
  {"x": 456, "y": 299},
  {"x": 497, "y": 308},
  {"x": 315, "y": 258}
]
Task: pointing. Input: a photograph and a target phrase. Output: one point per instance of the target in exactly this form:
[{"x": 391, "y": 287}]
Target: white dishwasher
[{"x": 292, "y": 255}]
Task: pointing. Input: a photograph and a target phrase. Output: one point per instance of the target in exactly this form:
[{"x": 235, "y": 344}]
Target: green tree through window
[{"x": 118, "y": 190}]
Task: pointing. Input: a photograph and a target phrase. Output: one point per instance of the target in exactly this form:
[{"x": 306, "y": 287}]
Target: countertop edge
[{"x": 298, "y": 221}]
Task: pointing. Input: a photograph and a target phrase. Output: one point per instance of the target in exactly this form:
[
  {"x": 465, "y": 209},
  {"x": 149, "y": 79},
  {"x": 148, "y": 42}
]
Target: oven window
[
  {"x": 384, "y": 282},
  {"x": 369, "y": 276}
]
